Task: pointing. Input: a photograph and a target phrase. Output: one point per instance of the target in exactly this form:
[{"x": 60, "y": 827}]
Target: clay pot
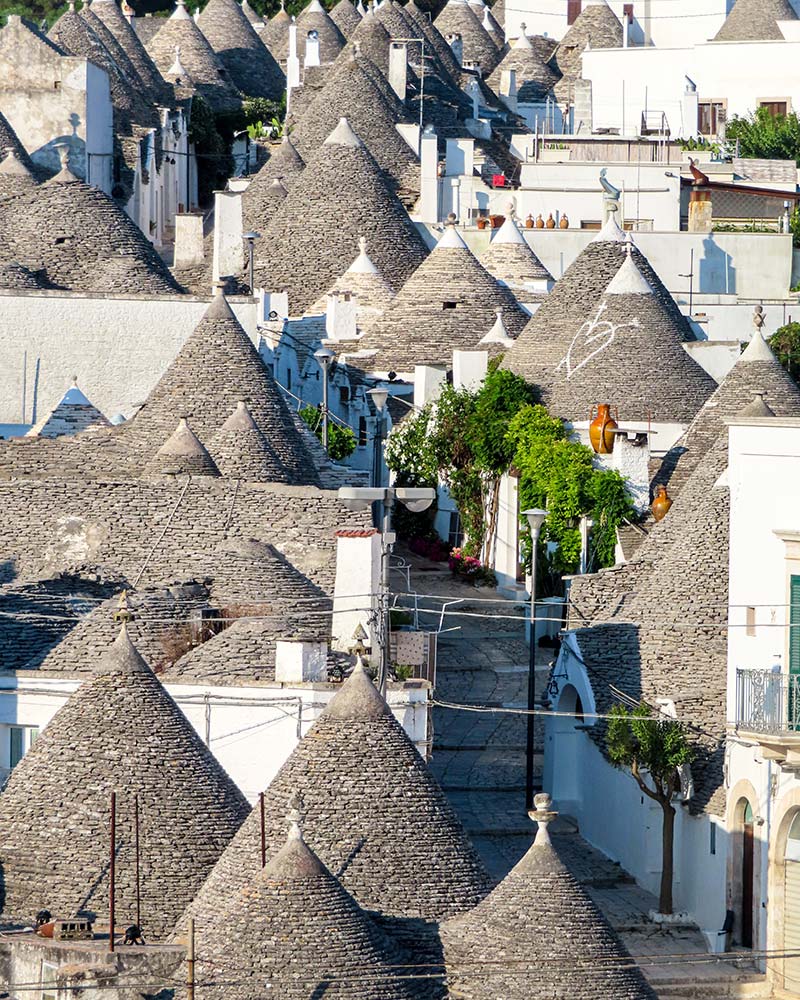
[
  {"x": 529, "y": 222},
  {"x": 551, "y": 222},
  {"x": 601, "y": 429},
  {"x": 563, "y": 222},
  {"x": 539, "y": 222},
  {"x": 482, "y": 222},
  {"x": 497, "y": 221},
  {"x": 661, "y": 504}
]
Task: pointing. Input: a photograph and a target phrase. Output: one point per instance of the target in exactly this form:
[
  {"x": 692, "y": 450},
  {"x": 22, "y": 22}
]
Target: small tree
[
  {"x": 785, "y": 342},
  {"x": 653, "y": 749}
]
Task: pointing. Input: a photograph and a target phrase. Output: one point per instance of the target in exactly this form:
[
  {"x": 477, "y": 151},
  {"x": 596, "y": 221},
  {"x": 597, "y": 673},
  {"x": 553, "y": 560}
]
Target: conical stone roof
[
  {"x": 458, "y": 17},
  {"x": 70, "y": 232},
  {"x": 341, "y": 194},
  {"x": 629, "y": 352},
  {"x": 73, "y": 413},
  {"x": 757, "y": 370},
  {"x": 250, "y": 65},
  {"x": 512, "y": 261},
  {"x": 182, "y": 454},
  {"x": 439, "y": 309},
  {"x": 350, "y": 93},
  {"x": 10, "y": 140},
  {"x": 208, "y": 74},
  {"x": 596, "y": 26},
  {"x": 240, "y": 450},
  {"x": 373, "y": 41},
  {"x": 273, "y": 929},
  {"x": 365, "y": 281},
  {"x": 574, "y": 299},
  {"x": 499, "y": 12},
  {"x": 437, "y": 42},
  {"x": 215, "y": 369},
  {"x": 15, "y": 176},
  {"x": 755, "y": 21},
  {"x": 374, "y": 815},
  {"x": 252, "y": 16},
  {"x": 314, "y": 17},
  {"x": 116, "y": 51},
  {"x": 276, "y": 36},
  {"x": 120, "y": 731},
  {"x": 345, "y": 17},
  {"x": 120, "y": 27},
  {"x": 539, "y": 926},
  {"x": 534, "y": 78}
]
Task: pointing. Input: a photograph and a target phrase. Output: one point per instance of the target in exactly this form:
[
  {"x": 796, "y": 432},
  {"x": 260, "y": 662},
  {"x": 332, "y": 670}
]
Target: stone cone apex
[
  {"x": 120, "y": 731},
  {"x": 294, "y": 921},
  {"x": 757, "y": 370},
  {"x": 364, "y": 280},
  {"x": 439, "y": 309},
  {"x": 512, "y": 260},
  {"x": 13, "y": 166},
  {"x": 373, "y": 812},
  {"x": 240, "y": 450},
  {"x": 629, "y": 280},
  {"x": 498, "y": 333},
  {"x": 260, "y": 200},
  {"x": 757, "y": 408},
  {"x": 64, "y": 175},
  {"x": 755, "y": 20},
  {"x": 341, "y": 194},
  {"x": 72, "y": 414},
  {"x": 248, "y": 62},
  {"x": 557, "y": 930},
  {"x": 215, "y": 369},
  {"x": 183, "y": 454},
  {"x": 572, "y": 305}
]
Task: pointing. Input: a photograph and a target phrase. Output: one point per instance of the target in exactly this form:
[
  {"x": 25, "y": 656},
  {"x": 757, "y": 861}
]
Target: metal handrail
[{"x": 768, "y": 701}]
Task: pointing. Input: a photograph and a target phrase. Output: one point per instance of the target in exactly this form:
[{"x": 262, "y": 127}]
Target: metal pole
[
  {"x": 325, "y": 406},
  {"x": 112, "y": 871},
  {"x": 691, "y": 280},
  {"x": 251, "y": 248},
  {"x": 190, "y": 962},
  {"x": 138, "y": 880},
  {"x": 531, "y": 681},
  {"x": 263, "y": 831},
  {"x": 388, "y": 540}
]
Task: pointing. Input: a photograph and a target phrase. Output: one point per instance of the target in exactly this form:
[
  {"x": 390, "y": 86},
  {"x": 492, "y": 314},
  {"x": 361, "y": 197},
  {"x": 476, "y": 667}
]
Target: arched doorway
[
  {"x": 567, "y": 786},
  {"x": 791, "y": 902},
  {"x": 748, "y": 870}
]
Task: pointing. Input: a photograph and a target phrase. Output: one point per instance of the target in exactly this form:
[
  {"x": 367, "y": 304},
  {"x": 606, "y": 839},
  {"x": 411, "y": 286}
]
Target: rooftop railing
[{"x": 768, "y": 702}]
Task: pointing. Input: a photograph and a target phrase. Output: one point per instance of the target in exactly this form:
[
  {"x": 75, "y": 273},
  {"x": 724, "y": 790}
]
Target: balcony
[{"x": 768, "y": 709}]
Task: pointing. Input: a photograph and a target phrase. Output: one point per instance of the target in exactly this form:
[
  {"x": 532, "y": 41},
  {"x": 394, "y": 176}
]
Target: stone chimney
[
  {"x": 341, "y": 316},
  {"x": 312, "y": 50},
  {"x": 457, "y": 45},
  {"x": 355, "y": 592},
  {"x": 398, "y": 68},
  {"x": 189, "y": 249}
]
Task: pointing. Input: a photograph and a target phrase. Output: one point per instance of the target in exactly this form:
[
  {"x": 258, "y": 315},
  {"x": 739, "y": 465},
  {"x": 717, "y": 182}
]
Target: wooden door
[{"x": 747, "y": 885}]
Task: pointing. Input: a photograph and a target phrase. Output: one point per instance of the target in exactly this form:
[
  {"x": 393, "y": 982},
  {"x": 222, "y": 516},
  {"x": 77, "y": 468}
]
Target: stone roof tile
[
  {"x": 120, "y": 731},
  {"x": 345, "y": 16},
  {"x": 341, "y": 194}
]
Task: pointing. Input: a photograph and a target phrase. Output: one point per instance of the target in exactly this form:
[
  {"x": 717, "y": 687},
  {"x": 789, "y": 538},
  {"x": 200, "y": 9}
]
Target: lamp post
[
  {"x": 324, "y": 356},
  {"x": 359, "y": 498},
  {"x": 535, "y": 518},
  {"x": 379, "y": 397},
  {"x": 250, "y": 239}
]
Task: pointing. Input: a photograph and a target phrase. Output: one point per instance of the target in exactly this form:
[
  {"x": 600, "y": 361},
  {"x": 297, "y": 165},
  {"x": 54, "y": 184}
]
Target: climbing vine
[{"x": 467, "y": 440}]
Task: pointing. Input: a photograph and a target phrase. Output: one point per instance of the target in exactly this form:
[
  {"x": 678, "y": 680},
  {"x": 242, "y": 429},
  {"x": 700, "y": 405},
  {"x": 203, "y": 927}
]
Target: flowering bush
[
  {"x": 470, "y": 568},
  {"x": 432, "y": 548}
]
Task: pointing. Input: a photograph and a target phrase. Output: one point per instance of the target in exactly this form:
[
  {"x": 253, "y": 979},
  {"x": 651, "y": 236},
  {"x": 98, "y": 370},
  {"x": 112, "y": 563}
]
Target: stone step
[{"x": 753, "y": 987}]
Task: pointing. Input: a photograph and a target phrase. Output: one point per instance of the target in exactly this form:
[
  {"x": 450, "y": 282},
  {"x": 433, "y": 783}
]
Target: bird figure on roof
[{"x": 697, "y": 174}]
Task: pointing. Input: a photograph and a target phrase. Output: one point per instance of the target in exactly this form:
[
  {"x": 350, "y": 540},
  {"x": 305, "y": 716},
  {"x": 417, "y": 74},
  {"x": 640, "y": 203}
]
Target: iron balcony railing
[{"x": 767, "y": 702}]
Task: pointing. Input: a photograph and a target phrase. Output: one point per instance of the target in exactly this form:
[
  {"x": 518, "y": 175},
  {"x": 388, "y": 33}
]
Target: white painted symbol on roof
[{"x": 590, "y": 332}]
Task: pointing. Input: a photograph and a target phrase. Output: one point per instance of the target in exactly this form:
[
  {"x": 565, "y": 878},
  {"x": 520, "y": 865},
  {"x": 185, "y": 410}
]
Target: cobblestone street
[{"x": 479, "y": 758}]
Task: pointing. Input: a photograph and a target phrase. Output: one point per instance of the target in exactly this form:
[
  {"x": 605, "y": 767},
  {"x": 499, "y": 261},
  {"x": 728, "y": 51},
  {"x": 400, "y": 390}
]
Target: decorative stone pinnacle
[
  {"x": 63, "y": 154},
  {"x": 543, "y": 815},
  {"x": 295, "y": 816},
  {"x": 123, "y": 614},
  {"x": 72, "y": 6},
  {"x": 362, "y": 244}
]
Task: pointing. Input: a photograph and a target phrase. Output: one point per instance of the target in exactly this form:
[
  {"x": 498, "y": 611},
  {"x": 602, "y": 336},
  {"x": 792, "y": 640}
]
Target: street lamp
[
  {"x": 359, "y": 498},
  {"x": 535, "y": 518},
  {"x": 324, "y": 356},
  {"x": 250, "y": 239},
  {"x": 379, "y": 397}
]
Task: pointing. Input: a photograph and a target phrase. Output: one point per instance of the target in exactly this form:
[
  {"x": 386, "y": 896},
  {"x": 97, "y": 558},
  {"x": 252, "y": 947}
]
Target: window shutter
[{"x": 794, "y": 622}]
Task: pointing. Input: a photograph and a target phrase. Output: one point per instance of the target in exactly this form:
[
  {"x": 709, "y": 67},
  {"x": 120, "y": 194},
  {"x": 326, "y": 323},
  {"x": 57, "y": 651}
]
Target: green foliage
[
  {"x": 469, "y": 439},
  {"x": 341, "y": 440},
  {"x": 214, "y": 162},
  {"x": 263, "y": 118},
  {"x": 559, "y": 475},
  {"x": 767, "y": 136},
  {"x": 785, "y": 342},
  {"x": 657, "y": 746},
  {"x": 45, "y": 12}
]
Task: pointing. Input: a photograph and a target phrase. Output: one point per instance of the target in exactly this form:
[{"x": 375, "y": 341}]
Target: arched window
[{"x": 793, "y": 840}]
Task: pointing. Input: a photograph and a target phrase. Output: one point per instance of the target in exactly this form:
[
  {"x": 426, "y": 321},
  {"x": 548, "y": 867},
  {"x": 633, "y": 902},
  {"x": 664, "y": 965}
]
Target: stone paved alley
[{"x": 479, "y": 758}]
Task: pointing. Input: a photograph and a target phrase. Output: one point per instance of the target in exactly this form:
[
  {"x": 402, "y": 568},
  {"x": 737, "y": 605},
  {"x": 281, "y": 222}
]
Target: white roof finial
[
  {"x": 295, "y": 816},
  {"x": 543, "y": 815}
]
